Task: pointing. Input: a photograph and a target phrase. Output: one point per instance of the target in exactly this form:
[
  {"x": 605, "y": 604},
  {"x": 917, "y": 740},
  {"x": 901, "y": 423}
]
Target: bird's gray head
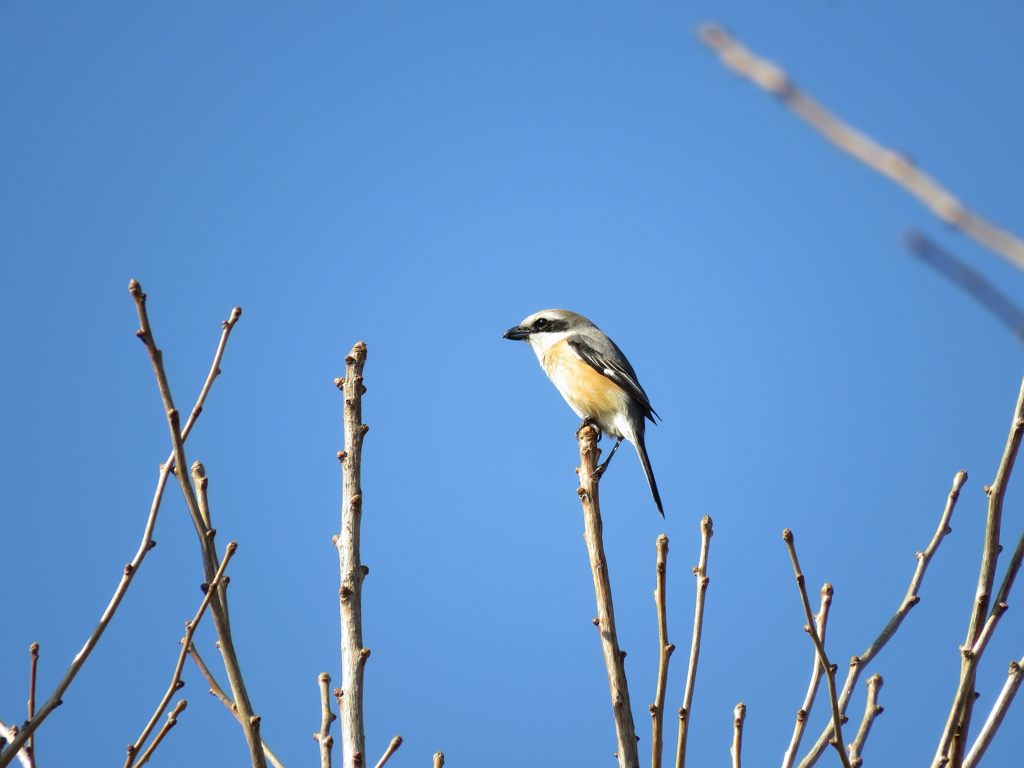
[{"x": 547, "y": 323}]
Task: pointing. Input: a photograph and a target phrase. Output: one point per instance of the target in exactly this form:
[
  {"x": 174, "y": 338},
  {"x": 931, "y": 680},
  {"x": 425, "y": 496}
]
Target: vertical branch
[
  {"x": 438, "y": 759},
  {"x": 871, "y": 711},
  {"x": 986, "y": 576},
  {"x": 827, "y": 668},
  {"x": 614, "y": 658},
  {"x": 665, "y": 649},
  {"x": 739, "y": 714},
  {"x": 995, "y": 717},
  {"x": 701, "y": 575},
  {"x": 910, "y": 599},
  {"x": 33, "y": 655},
  {"x": 820, "y": 622},
  {"x": 353, "y": 654},
  {"x": 324, "y": 738}
]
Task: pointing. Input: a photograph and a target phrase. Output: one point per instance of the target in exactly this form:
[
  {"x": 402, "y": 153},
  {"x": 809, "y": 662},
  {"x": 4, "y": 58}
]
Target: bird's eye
[{"x": 540, "y": 323}]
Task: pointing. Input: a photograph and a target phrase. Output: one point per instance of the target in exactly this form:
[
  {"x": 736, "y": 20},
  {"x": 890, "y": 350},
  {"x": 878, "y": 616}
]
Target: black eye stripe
[{"x": 546, "y": 325}]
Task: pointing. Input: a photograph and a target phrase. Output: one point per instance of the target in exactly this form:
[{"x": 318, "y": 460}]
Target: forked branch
[{"x": 820, "y": 623}]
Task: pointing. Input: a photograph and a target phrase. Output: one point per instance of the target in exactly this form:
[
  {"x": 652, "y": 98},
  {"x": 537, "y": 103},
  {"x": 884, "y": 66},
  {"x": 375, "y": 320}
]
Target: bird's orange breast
[{"x": 589, "y": 393}]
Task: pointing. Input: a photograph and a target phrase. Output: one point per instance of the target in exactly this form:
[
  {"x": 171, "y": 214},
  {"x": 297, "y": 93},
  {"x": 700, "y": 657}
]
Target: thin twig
[
  {"x": 249, "y": 720},
  {"x": 700, "y": 573},
  {"x": 216, "y": 690},
  {"x": 614, "y": 658},
  {"x": 739, "y": 714},
  {"x": 859, "y": 663},
  {"x": 872, "y": 709},
  {"x": 323, "y": 738},
  {"x": 132, "y": 568},
  {"x": 33, "y": 656},
  {"x": 995, "y": 717},
  {"x": 8, "y": 733},
  {"x": 438, "y": 759},
  {"x": 820, "y": 623},
  {"x": 963, "y": 706},
  {"x": 665, "y": 649},
  {"x": 968, "y": 279},
  {"x": 893, "y": 165},
  {"x": 819, "y": 647},
  {"x": 176, "y": 683},
  {"x": 352, "y": 571},
  {"x": 172, "y": 720},
  {"x": 392, "y": 748}
]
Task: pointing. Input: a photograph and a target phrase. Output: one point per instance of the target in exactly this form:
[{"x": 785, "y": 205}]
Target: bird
[{"x": 594, "y": 377}]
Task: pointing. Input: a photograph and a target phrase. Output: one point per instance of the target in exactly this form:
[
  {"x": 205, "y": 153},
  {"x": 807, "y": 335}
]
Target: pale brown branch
[
  {"x": 995, "y": 717},
  {"x": 969, "y": 280},
  {"x": 819, "y": 647},
  {"x": 871, "y": 710},
  {"x": 739, "y": 714},
  {"x": 190, "y": 628},
  {"x": 33, "y": 663},
  {"x": 323, "y": 738},
  {"x": 353, "y": 654},
  {"x": 820, "y": 623},
  {"x": 910, "y": 599},
  {"x": 392, "y": 748},
  {"x": 216, "y": 690},
  {"x": 249, "y": 720},
  {"x": 700, "y": 573},
  {"x": 148, "y": 542},
  {"x": 8, "y": 733},
  {"x": 614, "y": 658},
  {"x": 438, "y": 759},
  {"x": 172, "y": 720},
  {"x": 893, "y": 165},
  {"x": 665, "y": 649},
  {"x": 986, "y": 578}
]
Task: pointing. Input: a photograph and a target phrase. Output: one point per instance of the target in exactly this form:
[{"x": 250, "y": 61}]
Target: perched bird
[{"x": 594, "y": 377}]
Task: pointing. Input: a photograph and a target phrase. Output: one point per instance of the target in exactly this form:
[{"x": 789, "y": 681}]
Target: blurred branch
[
  {"x": 969, "y": 280},
  {"x": 33, "y": 663},
  {"x": 176, "y": 683},
  {"x": 219, "y": 606},
  {"x": 665, "y": 649},
  {"x": 8, "y": 733},
  {"x": 871, "y": 711},
  {"x": 995, "y": 717},
  {"x": 324, "y": 738},
  {"x": 820, "y": 623},
  {"x": 438, "y": 759},
  {"x": 894, "y": 166},
  {"x": 353, "y": 654},
  {"x": 700, "y": 573},
  {"x": 739, "y": 714},
  {"x": 216, "y": 690},
  {"x": 910, "y": 599},
  {"x": 986, "y": 577},
  {"x": 819, "y": 647},
  {"x": 392, "y": 748},
  {"x": 148, "y": 542},
  {"x": 614, "y": 658},
  {"x": 172, "y": 720}
]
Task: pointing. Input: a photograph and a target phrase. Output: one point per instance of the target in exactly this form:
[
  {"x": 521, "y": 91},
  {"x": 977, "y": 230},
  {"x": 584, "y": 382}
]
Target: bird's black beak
[{"x": 518, "y": 333}]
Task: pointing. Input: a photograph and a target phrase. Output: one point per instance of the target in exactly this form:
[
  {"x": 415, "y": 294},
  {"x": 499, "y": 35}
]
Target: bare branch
[
  {"x": 871, "y": 711},
  {"x": 8, "y": 733},
  {"x": 700, "y": 573},
  {"x": 820, "y": 623},
  {"x": 176, "y": 683},
  {"x": 249, "y": 720},
  {"x": 830, "y": 671},
  {"x": 739, "y": 714},
  {"x": 910, "y": 599},
  {"x": 986, "y": 578},
  {"x": 33, "y": 663},
  {"x": 665, "y": 649},
  {"x": 438, "y": 759},
  {"x": 893, "y": 165},
  {"x": 324, "y": 738},
  {"x": 392, "y": 748},
  {"x": 353, "y": 654},
  {"x": 614, "y": 658},
  {"x": 172, "y": 720},
  {"x": 969, "y": 280},
  {"x": 995, "y": 717},
  {"x": 216, "y": 690}
]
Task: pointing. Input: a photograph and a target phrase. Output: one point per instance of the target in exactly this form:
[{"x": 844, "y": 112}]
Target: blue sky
[{"x": 422, "y": 176}]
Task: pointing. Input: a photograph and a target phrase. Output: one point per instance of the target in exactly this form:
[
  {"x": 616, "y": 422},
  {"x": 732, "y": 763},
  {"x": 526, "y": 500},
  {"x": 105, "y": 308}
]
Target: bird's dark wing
[{"x": 616, "y": 368}]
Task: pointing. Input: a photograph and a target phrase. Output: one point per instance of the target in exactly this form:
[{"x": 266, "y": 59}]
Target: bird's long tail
[{"x": 641, "y": 451}]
